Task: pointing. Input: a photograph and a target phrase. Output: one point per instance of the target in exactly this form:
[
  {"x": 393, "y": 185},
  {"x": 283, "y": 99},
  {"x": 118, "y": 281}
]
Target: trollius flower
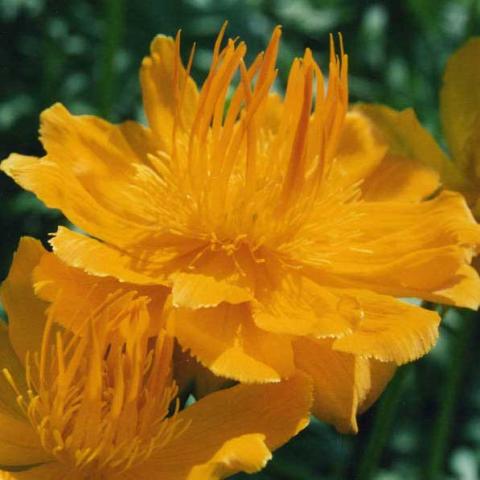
[
  {"x": 282, "y": 226},
  {"x": 100, "y": 404}
]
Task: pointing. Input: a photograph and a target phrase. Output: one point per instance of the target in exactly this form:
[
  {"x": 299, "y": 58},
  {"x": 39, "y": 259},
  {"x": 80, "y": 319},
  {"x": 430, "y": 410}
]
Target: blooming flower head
[
  {"x": 100, "y": 404},
  {"x": 282, "y": 224}
]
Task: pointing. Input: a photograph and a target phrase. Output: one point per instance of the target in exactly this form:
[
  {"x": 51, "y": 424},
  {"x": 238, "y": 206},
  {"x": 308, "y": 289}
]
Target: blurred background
[{"x": 86, "y": 54}]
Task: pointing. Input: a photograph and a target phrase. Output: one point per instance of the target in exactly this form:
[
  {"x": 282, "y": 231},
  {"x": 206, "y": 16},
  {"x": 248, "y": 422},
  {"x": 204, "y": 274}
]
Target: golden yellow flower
[
  {"x": 281, "y": 224},
  {"x": 460, "y": 118},
  {"x": 100, "y": 404}
]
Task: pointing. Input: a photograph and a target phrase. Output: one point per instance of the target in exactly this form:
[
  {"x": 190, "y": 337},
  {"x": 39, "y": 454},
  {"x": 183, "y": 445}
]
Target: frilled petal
[
  {"x": 144, "y": 265},
  {"x": 407, "y": 139},
  {"x": 74, "y": 294},
  {"x": 192, "y": 290},
  {"x": 388, "y": 329},
  {"x": 226, "y": 340},
  {"x": 216, "y": 277},
  {"x": 97, "y": 173},
  {"x": 290, "y": 303},
  {"x": 409, "y": 250},
  {"x": 341, "y": 381},
  {"x": 102, "y": 260},
  {"x": 170, "y": 95},
  {"x": 26, "y": 312},
  {"x": 460, "y": 106},
  {"x": 217, "y": 427}
]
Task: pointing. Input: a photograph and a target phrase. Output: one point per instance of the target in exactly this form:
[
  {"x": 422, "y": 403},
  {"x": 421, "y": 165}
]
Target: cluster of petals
[
  {"x": 274, "y": 238},
  {"x": 98, "y": 402}
]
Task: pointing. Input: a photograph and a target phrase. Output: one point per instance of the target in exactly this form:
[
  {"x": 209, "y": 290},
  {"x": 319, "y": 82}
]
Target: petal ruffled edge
[
  {"x": 192, "y": 290},
  {"x": 226, "y": 340},
  {"x": 388, "y": 329},
  {"x": 101, "y": 259}
]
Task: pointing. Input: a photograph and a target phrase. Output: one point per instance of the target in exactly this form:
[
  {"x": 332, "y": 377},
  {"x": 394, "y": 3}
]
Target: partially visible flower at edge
[
  {"x": 97, "y": 404},
  {"x": 283, "y": 226},
  {"x": 460, "y": 118}
]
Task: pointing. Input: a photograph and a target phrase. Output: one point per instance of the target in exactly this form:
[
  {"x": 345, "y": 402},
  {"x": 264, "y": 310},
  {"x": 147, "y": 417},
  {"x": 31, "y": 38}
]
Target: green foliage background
[{"x": 86, "y": 53}]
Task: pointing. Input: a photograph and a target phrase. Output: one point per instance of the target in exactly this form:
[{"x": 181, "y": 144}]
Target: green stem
[
  {"x": 385, "y": 415},
  {"x": 114, "y": 26},
  {"x": 444, "y": 419}
]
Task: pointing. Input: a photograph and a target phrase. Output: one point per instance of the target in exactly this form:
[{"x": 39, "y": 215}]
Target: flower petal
[
  {"x": 380, "y": 374},
  {"x": 464, "y": 290},
  {"x": 88, "y": 174},
  {"x": 389, "y": 330},
  {"x": 408, "y": 250},
  {"x": 290, "y": 303},
  {"x": 26, "y": 312},
  {"x": 169, "y": 93},
  {"x": 226, "y": 340},
  {"x": 341, "y": 381},
  {"x": 459, "y": 107},
  {"x": 93, "y": 148},
  {"x": 103, "y": 260},
  {"x": 74, "y": 294},
  {"x": 19, "y": 444},
  {"x": 147, "y": 265},
  {"x": 212, "y": 423},
  {"x": 400, "y": 178},
  {"x": 216, "y": 278},
  {"x": 193, "y": 290},
  {"x": 11, "y": 366},
  {"x": 247, "y": 453},
  {"x": 406, "y": 138},
  {"x": 359, "y": 151}
]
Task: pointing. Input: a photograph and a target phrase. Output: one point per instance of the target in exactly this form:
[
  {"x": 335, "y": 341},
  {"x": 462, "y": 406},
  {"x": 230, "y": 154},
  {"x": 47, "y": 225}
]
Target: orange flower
[
  {"x": 281, "y": 226},
  {"x": 97, "y": 404}
]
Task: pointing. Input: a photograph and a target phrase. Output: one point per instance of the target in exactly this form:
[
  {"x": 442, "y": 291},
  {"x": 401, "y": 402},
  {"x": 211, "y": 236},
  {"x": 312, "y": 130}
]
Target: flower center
[{"x": 98, "y": 401}]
